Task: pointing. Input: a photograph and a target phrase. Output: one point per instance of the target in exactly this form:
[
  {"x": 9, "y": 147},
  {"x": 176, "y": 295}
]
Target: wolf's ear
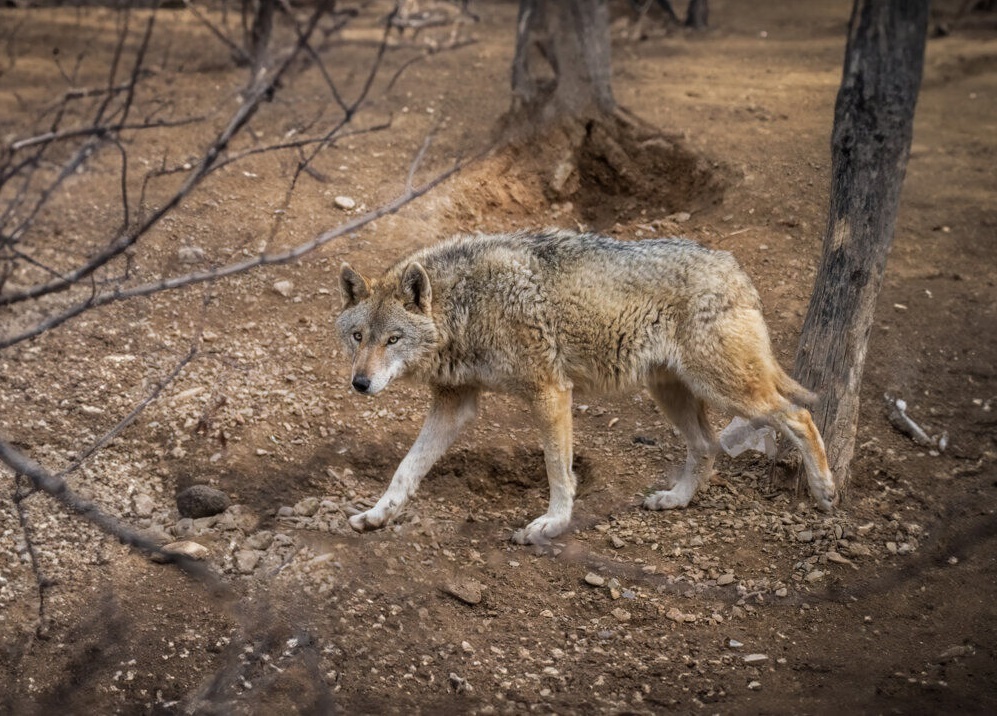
[
  {"x": 353, "y": 286},
  {"x": 416, "y": 292}
]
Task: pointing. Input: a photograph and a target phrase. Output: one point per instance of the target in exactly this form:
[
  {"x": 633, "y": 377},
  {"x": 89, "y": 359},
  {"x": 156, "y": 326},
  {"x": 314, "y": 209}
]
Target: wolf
[{"x": 541, "y": 315}]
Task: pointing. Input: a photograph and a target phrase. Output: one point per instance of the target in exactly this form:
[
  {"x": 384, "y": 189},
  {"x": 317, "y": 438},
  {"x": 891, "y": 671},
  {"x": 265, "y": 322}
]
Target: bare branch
[
  {"x": 99, "y": 131},
  {"x": 21, "y": 492},
  {"x": 239, "y": 54},
  {"x": 258, "y": 92},
  {"x": 137, "y": 410},
  {"x": 55, "y": 486},
  {"x": 147, "y": 289}
]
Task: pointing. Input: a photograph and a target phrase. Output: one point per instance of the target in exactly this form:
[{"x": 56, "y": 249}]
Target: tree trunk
[
  {"x": 697, "y": 14},
  {"x": 572, "y": 36},
  {"x": 258, "y": 15},
  {"x": 873, "y": 122}
]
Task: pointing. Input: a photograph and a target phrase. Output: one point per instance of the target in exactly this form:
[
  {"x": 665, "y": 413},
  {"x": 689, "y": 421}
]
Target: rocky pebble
[{"x": 201, "y": 501}]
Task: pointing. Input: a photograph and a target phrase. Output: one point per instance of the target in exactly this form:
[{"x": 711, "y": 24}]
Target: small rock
[
  {"x": 143, "y": 505},
  {"x": 307, "y": 507},
  {"x": 734, "y": 643},
  {"x": 246, "y": 560},
  {"x": 202, "y": 524},
  {"x": 679, "y": 217},
  {"x": 157, "y": 534},
  {"x": 724, "y": 579},
  {"x": 781, "y": 592},
  {"x": 954, "y": 652},
  {"x": 755, "y": 658},
  {"x": 594, "y": 579},
  {"x": 285, "y": 511},
  {"x": 815, "y": 576},
  {"x": 621, "y": 614},
  {"x": 459, "y": 685},
  {"x": 260, "y": 540},
  {"x": 859, "y": 550},
  {"x": 202, "y": 501},
  {"x": 617, "y": 542},
  {"x": 836, "y": 558},
  {"x": 283, "y": 287},
  {"x": 186, "y": 548},
  {"x": 676, "y": 615},
  {"x": 464, "y": 590},
  {"x": 345, "y": 202},
  {"x": 190, "y": 254},
  {"x": 805, "y": 536},
  {"x": 755, "y": 685}
]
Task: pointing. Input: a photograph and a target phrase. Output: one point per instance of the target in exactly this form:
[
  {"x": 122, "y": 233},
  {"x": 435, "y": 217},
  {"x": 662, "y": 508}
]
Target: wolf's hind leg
[
  {"x": 687, "y": 413},
  {"x": 449, "y": 412},
  {"x": 797, "y": 424},
  {"x": 552, "y": 409}
]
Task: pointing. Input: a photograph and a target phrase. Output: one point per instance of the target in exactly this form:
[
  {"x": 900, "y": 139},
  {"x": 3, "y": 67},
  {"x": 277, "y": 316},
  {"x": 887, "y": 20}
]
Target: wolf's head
[{"x": 386, "y": 325}]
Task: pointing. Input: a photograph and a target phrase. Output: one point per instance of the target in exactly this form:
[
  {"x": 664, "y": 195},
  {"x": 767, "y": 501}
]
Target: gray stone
[
  {"x": 202, "y": 501},
  {"x": 261, "y": 540},
  {"x": 184, "y": 547},
  {"x": 465, "y": 590},
  {"x": 307, "y": 507},
  {"x": 246, "y": 560},
  {"x": 143, "y": 505},
  {"x": 190, "y": 254},
  {"x": 594, "y": 579}
]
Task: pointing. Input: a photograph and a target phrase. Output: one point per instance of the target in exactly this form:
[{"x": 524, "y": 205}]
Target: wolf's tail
[{"x": 789, "y": 388}]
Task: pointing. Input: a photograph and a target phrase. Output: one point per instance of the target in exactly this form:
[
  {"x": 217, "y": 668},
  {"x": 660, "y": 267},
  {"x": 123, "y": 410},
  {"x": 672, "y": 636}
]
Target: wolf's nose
[{"x": 361, "y": 384}]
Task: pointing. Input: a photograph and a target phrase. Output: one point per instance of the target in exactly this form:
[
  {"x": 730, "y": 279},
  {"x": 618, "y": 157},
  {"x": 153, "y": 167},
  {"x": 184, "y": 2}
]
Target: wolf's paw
[
  {"x": 542, "y": 529},
  {"x": 827, "y": 499},
  {"x": 373, "y": 519},
  {"x": 666, "y": 500}
]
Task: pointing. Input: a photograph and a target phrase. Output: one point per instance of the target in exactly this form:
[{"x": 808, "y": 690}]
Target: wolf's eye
[
  {"x": 393, "y": 340},
  {"x": 358, "y": 336}
]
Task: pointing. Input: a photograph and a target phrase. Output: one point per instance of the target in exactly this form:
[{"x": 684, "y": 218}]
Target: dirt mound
[{"x": 598, "y": 172}]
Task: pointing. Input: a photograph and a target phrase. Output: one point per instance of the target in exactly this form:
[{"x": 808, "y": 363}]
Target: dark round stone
[{"x": 202, "y": 501}]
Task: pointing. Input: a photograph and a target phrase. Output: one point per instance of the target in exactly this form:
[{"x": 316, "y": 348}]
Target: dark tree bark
[
  {"x": 642, "y": 6},
  {"x": 258, "y": 16},
  {"x": 698, "y": 14},
  {"x": 873, "y": 123},
  {"x": 572, "y": 37}
]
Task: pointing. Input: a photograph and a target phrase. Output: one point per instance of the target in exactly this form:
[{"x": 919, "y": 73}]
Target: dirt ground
[{"x": 749, "y": 601}]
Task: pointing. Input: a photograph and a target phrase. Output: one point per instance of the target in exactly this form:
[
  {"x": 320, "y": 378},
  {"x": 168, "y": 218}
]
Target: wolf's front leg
[
  {"x": 450, "y": 411},
  {"x": 552, "y": 408}
]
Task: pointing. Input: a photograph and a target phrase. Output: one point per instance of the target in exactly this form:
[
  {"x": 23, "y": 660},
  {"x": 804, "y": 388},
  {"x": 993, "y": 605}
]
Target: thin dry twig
[
  {"x": 100, "y": 131},
  {"x": 97, "y": 299},
  {"x": 238, "y": 53},
  {"x": 157, "y": 390},
  {"x": 261, "y": 90},
  {"x": 22, "y": 492},
  {"x": 56, "y": 487}
]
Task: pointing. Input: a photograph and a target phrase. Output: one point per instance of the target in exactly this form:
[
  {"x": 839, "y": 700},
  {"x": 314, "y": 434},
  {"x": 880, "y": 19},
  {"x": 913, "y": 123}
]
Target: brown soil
[{"x": 441, "y": 613}]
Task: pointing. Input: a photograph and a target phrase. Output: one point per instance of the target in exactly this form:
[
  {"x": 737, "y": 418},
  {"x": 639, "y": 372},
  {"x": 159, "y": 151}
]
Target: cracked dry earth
[{"x": 748, "y": 601}]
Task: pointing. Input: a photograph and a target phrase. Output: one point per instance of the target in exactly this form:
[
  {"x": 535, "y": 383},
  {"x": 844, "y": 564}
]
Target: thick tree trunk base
[{"x": 613, "y": 168}]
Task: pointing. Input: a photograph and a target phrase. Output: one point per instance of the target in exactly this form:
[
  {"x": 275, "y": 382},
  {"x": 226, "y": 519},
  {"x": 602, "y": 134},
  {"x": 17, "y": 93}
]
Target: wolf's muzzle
[{"x": 361, "y": 383}]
